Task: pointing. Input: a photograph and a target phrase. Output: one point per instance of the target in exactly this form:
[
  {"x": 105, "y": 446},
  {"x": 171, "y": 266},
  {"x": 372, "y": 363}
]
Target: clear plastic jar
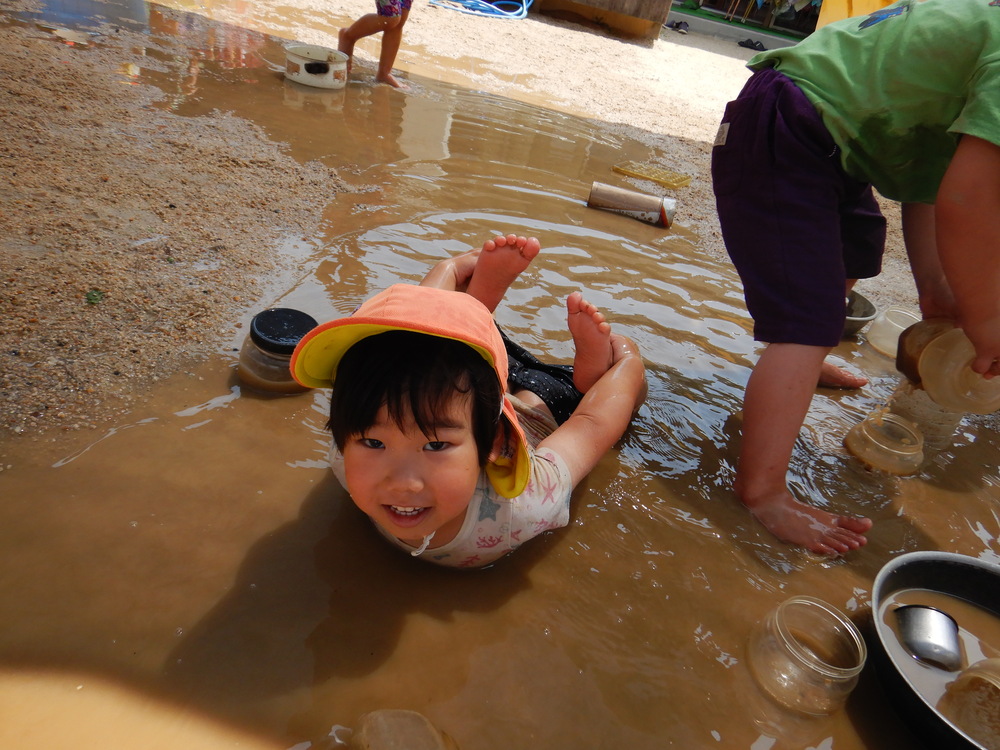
[
  {"x": 887, "y": 442},
  {"x": 267, "y": 350},
  {"x": 807, "y": 655},
  {"x": 883, "y": 333}
]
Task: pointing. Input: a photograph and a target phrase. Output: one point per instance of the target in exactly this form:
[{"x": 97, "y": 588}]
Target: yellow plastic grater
[{"x": 657, "y": 174}]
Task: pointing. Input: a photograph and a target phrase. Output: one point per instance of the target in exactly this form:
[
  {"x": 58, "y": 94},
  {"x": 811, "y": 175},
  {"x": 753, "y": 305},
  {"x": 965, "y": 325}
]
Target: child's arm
[
  {"x": 602, "y": 416},
  {"x": 967, "y": 215},
  {"x": 936, "y": 299}
]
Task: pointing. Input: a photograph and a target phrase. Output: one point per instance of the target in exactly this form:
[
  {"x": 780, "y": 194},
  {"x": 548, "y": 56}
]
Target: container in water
[
  {"x": 267, "y": 350},
  {"x": 806, "y": 655},
  {"x": 887, "y": 442},
  {"x": 883, "y": 333},
  {"x": 317, "y": 66},
  {"x": 642, "y": 206},
  {"x": 945, "y": 367}
]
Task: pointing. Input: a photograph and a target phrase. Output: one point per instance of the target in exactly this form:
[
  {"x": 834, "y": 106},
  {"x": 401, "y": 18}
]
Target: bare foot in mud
[
  {"x": 391, "y": 80},
  {"x": 817, "y": 530},
  {"x": 831, "y": 376},
  {"x": 346, "y": 45},
  {"x": 501, "y": 260},
  {"x": 592, "y": 338}
]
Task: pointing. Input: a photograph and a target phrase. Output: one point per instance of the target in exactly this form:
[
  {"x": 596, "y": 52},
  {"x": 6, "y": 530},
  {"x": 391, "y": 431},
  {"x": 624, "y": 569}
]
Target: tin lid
[{"x": 279, "y": 329}]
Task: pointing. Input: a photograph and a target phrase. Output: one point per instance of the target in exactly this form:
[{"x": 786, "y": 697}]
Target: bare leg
[
  {"x": 777, "y": 399},
  {"x": 392, "y": 37},
  {"x": 831, "y": 376},
  {"x": 592, "y": 338},
  {"x": 345, "y": 44},
  {"x": 501, "y": 260}
]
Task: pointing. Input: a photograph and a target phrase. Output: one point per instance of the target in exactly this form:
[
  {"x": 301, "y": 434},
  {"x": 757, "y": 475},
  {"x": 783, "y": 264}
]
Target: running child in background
[
  {"x": 905, "y": 100},
  {"x": 456, "y": 442},
  {"x": 390, "y": 19}
]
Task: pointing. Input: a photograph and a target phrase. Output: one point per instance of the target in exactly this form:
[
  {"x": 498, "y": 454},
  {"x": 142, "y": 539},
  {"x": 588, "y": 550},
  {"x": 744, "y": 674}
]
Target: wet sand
[{"x": 134, "y": 241}]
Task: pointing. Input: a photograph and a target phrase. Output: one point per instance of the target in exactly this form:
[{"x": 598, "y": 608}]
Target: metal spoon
[{"x": 930, "y": 635}]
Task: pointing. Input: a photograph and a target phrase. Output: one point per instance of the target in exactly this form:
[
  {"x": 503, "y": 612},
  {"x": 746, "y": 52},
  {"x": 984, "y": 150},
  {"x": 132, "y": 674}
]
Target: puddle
[{"x": 201, "y": 558}]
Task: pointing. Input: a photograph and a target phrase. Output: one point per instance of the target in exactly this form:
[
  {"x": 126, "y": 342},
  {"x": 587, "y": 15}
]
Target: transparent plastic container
[
  {"x": 266, "y": 354},
  {"x": 887, "y": 442},
  {"x": 807, "y": 655},
  {"x": 947, "y": 376},
  {"x": 883, "y": 333}
]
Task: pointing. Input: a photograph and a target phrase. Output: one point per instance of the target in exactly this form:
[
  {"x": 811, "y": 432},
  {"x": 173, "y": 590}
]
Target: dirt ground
[{"x": 116, "y": 254}]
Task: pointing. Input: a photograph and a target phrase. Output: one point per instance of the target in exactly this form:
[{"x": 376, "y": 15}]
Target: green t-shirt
[{"x": 896, "y": 89}]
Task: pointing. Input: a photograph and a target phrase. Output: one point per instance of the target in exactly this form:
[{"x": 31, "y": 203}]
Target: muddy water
[{"x": 197, "y": 575}]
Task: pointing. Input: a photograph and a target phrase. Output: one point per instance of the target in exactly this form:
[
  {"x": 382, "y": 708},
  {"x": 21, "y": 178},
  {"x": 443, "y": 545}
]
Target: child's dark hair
[{"x": 418, "y": 374}]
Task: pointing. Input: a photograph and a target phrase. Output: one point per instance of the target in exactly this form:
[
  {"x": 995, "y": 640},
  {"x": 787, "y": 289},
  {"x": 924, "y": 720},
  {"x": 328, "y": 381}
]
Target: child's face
[{"x": 412, "y": 484}]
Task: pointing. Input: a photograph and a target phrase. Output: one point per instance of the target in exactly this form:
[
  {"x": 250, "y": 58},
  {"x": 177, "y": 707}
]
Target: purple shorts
[
  {"x": 795, "y": 224},
  {"x": 392, "y": 8}
]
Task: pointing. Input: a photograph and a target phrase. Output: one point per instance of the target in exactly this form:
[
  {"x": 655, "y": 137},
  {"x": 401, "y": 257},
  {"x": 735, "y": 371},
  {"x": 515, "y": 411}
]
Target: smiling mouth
[
  {"x": 406, "y": 515},
  {"x": 405, "y": 510}
]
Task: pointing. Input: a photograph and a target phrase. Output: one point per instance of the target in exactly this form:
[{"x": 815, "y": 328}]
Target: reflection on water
[{"x": 203, "y": 555}]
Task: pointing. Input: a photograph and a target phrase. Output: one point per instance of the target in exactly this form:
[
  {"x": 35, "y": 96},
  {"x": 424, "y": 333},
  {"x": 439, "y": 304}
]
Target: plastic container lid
[
  {"x": 279, "y": 329},
  {"x": 948, "y": 378}
]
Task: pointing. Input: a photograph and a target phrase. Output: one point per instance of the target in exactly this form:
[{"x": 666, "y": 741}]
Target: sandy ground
[{"x": 117, "y": 254}]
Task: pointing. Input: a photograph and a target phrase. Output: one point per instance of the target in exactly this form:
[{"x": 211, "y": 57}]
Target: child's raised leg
[
  {"x": 501, "y": 260},
  {"x": 346, "y": 38},
  {"x": 592, "y": 339}
]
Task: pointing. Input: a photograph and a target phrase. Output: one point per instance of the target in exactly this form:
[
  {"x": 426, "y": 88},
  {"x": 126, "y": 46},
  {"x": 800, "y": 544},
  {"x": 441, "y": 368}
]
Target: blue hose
[{"x": 496, "y": 9}]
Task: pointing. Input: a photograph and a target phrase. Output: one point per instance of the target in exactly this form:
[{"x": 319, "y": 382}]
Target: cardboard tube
[{"x": 648, "y": 208}]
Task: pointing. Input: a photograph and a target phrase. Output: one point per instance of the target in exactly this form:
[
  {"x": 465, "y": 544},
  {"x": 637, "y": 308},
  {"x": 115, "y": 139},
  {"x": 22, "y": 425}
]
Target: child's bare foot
[
  {"x": 832, "y": 376},
  {"x": 816, "y": 530},
  {"x": 390, "y": 79},
  {"x": 346, "y": 45},
  {"x": 592, "y": 338},
  {"x": 501, "y": 260}
]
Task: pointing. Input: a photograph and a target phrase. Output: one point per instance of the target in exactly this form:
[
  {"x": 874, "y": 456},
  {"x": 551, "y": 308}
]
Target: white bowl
[
  {"x": 316, "y": 66},
  {"x": 883, "y": 334}
]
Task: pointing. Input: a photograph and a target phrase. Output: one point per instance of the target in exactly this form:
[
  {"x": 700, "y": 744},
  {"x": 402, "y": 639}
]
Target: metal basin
[{"x": 965, "y": 577}]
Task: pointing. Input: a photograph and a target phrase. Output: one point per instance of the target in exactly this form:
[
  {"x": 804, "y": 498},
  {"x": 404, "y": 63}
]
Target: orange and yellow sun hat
[{"x": 435, "y": 312}]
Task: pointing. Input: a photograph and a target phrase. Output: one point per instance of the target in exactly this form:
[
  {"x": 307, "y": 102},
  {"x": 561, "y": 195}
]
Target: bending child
[
  {"x": 456, "y": 442},
  {"x": 389, "y": 20},
  {"x": 905, "y": 100}
]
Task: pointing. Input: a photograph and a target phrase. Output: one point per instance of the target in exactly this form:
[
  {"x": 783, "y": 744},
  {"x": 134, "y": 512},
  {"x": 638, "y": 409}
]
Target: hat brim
[{"x": 315, "y": 359}]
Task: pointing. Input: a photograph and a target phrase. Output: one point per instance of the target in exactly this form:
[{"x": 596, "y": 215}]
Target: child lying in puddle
[{"x": 456, "y": 442}]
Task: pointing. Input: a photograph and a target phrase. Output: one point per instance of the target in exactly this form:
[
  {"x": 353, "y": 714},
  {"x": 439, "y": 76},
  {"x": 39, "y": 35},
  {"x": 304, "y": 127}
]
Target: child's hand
[{"x": 985, "y": 337}]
